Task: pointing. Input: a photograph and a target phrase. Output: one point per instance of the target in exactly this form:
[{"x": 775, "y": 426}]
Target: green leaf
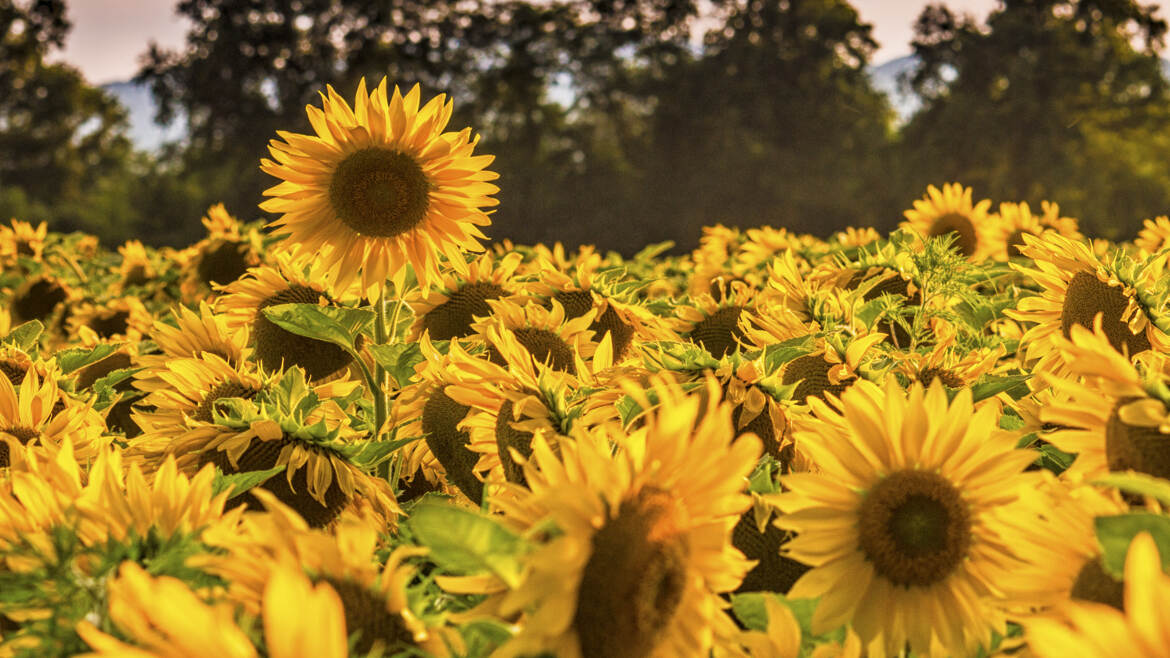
[
  {"x": 992, "y": 385},
  {"x": 466, "y": 542},
  {"x": 399, "y": 359},
  {"x": 333, "y": 324},
  {"x": 238, "y": 483},
  {"x": 25, "y": 336},
  {"x": 780, "y": 354},
  {"x": 79, "y": 357},
  {"x": 483, "y": 636},
  {"x": 750, "y": 611},
  {"x": 1116, "y": 532},
  {"x": 372, "y": 453},
  {"x": 1138, "y": 483},
  {"x": 652, "y": 251},
  {"x": 1055, "y": 459}
]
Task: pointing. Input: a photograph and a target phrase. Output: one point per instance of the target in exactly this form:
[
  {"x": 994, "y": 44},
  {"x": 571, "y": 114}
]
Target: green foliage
[
  {"x": 333, "y": 324},
  {"x": 238, "y": 483},
  {"x": 1116, "y": 532},
  {"x": 465, "y": 542}
]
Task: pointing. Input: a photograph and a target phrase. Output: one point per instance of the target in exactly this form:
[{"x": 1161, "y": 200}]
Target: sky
[{"x": 109, "y": 36}]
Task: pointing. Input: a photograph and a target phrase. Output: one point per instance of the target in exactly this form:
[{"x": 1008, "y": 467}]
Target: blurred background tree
[{"x": 617, "y": 122}]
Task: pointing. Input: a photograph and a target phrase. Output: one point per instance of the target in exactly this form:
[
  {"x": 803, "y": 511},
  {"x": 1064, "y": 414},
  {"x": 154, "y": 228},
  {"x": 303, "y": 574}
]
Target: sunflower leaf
[
  {"x": 466, "y": 542},
  {"x": 1114, "y": 533},
  {"x": 372, "y": 453},
  {"x": 79, "y": 357},
  {"x": 25, "y": 336},
  {"x": 340, "y": 326},
  {"x": 750, "y": 611},
  {"x": 1138, "y": 483},
  {"x": 399, "y": 359},
  {"x": 238, "y": 483},
  {"x": 1014, "y": 385}
]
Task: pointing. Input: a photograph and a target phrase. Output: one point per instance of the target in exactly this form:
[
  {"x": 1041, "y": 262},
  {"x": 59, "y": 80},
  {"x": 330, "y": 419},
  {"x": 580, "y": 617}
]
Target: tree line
[{"x": 616, "y": 122}]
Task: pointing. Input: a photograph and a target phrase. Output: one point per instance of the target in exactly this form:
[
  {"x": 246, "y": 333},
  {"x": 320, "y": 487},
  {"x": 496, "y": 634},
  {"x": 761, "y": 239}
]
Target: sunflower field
[{"x": 356, "y": 430}]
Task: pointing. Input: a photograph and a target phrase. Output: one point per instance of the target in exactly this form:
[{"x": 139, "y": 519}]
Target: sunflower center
[
  {"x": 25, "y": 248},
  {"x": 1086, "y": 297},
  {"x": 366, "y": 613},
  {"x": 773, "y": 572},
  {"x": 14, "y": 370},
  {"x": 947, "y": 377},
  {"x": 914, "y": 527},
  {"x": 440, "y": 424},
  {"x": 136, "y": 276},
  {"x": 810, "y": 373},
  {"x": 960, "y": 225},
  {"x": 634, "y": 581},
  {"x": 38, "y": 301},
  {"x": 762, "y": 426},
  {"x": 575, "y": 302},
  {"x": 226, "y": 389},
  {"x": 379, "y": 192},
  {"x": 1015, "y": 243},
  {"x": 277, "y": 348},
  {"x": 222, "y": 261},
  {"x": 719, "y": 333},
  {"x": 510, "y": 437},
  {"x": 263, "y": 455},
  {"x": 108, "y": 323},
  {"x": 1143, "y": 449},
  {"x": 22, "y": 434},
  {"x": 544, "y": 346},
  {"x": 453, "y": 318},
  {"x": 1094, "y": 584}
]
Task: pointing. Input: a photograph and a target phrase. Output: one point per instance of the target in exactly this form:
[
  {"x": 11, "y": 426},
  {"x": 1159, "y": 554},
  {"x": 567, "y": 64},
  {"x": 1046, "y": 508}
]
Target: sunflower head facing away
[{"x": 380, "y": 186}]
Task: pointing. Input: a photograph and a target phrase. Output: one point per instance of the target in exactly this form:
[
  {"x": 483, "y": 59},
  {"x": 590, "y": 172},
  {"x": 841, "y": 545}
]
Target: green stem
[{"x": 379, "y": 372}]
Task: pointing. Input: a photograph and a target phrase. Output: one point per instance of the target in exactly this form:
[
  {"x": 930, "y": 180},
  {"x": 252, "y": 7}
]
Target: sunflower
[
  {"x": 830, "y": 368},
  {"x": 373, "y": 598},
  {"x": 546, "y": 335},
  {"x": 220, "y": 258},
  {"x": 875, "y": 282},
  {"x": 719, "y": 327},
  {"x": 1077, "y": 286},
  {"x": 766, "y": 243},
  {"x": 1100, "y": 630},
  {"x": 1155, "y": 235},
  {"x": 380, "y": 186},
  {"x": 900, "y": 524},
  {"x": 122, "y": 318},
  {"x": 136, "y": 269},
  {"x": 189, "y": 333},
  {"x": 187, "y": 389},
  {"x": 448, "y": 310},
  {"x": 36, "y": 413},
  {"x": 1016, "y": 219},
  {"x": 275, "y": 348},
  {"x": 644, "y": 545},
  {"x": 22, "y": 240},
  {"x": 950, "y": 211},
  {"x": 38, "y": 298},
  {"x": 946, "y": 361},
  {"x": 1110, "y": 420}
]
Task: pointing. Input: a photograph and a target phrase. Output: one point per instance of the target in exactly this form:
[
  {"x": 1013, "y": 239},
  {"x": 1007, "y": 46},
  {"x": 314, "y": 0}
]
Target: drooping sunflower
[
  {"x": 951, "y": 211},
  {"x": 1110, "y": 419},
  {"x": 187, "y": 389},
  {"x": 448, "y": 310},
  {"x": 36, "y": 413},
  {"x": 1094, "y": 629},
  {"x": 380, "y": 186},
  {"x": 21, "y": 239},
  {"x": 122, "y": 318},
  {"x": 222, "y": 257},
  {"x": 1016, "y": 219},
  {"x": 899, "y": 525},
  {"x": 1077, "y": 287},
  {"x": 274, "y": 347},
  {"x": 373, "y": 598},
  {"x": 644, "y": 545}
]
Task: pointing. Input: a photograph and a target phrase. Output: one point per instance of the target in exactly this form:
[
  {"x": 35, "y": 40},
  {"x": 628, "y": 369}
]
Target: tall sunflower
[
  {"x": 645, "y": 536},
  {"x": 900, "y": 524},
  {"x": 380, "y": 186},
  {"x": 951, "y": 211}
]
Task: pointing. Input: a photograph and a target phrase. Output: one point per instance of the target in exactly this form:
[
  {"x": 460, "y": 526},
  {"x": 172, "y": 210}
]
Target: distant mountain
[
  {"x": 148, "y": 136},
  {"x": 139, "y": 103}
]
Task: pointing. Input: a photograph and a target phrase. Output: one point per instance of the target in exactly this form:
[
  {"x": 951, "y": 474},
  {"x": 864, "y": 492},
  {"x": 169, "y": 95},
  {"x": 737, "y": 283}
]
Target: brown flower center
[
  {"x": 1015, "y": 243},
  {"x": 810, "y": 373},
  {"x": 14, "y": 370},
  {"x": 1143, "y": 449},
  {"x": 510, "y": 437},
  {"x": 109, "y": 322},
  {"x": 580, "y": 302},
  {"x": 634, "y": 581},
  {"x": 38, "y": 301},
  {"x": 1086, "y": 297},
  {"x": 95, "y": 371},
  {"x": 23, "y": 435},
  {"x": 719, "y": 333},
  {"x": 963, "y": 229},
  {"x": 544, "y": 346},
  {"x": 380, "y": 193},
  {"x": 277, "y": 348},
  {"x": 1094, "y": 584},
  {"x": 947, "y": 377},
  {"x": 453, "y": 318},
  {"x": 773, "y": 572},
  {"x": 440, "y": 424},
  {"x": 914, "y": 527},
  {"x": 366, "y": 615},
  {"x": 223, "y": 261}
]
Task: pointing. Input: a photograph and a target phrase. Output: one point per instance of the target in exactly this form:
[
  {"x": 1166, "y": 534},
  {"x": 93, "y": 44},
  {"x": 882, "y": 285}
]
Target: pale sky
[{"x": 109, "y": 36}]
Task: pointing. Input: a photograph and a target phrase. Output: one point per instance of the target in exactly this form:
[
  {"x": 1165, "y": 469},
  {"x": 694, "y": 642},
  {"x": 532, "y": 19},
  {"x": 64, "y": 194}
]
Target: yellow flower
[
  {"x": 220, "y": 258},
  {"x": 1155, "y": 234},
  {"x": 22, "y": 240},
  {"x": 122, "y": 318},
  {"x": 900, "y": 524},
  {"x": 136, "y": 269},
  {"x": 380, "y": 186},
  {"x": 951, "y": 211},
  {"x": 448, "y": 310},
  {"x": 29, "y": 416},
  {"x": 1093, "y": 629}
]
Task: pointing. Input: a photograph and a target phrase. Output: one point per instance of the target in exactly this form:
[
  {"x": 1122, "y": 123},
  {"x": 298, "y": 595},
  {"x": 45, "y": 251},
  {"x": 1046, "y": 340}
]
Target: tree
[
  {"x": 60, "y": 139},
  {"x": 1018, "y": 108}
]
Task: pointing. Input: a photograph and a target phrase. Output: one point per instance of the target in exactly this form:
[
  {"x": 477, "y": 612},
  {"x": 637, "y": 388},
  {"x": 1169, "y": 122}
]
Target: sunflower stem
[{"x": 380, "y": 372}]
